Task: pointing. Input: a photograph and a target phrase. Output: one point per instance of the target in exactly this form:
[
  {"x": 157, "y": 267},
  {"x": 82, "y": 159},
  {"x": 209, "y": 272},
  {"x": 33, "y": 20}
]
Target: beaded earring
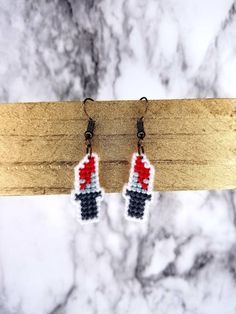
[
  {"x": 87, "y": 194},
  {"x": 138, "y": 191}
]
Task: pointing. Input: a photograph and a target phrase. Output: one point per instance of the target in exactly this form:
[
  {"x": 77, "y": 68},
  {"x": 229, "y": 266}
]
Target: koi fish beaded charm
[
  {"x": 88, "y": 194},
  {"x": 138, "y": 191}
]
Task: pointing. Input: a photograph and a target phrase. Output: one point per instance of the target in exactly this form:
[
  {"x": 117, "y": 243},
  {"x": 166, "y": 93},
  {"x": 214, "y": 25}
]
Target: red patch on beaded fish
[
  {"x": 138, "y": 191},
  {"x": 88, "y": 194}
]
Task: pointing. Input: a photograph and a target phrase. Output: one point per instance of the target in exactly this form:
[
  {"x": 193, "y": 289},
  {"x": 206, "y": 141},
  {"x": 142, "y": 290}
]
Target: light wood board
[{"x": 192, "y": 144}]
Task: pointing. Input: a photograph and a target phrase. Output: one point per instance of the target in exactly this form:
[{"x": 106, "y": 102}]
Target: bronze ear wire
[
  {"x": 90, "y": 128},
  {"x": 140, "y": 128}
]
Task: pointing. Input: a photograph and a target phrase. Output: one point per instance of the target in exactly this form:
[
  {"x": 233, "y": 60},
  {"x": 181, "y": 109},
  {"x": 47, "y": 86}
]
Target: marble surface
[{"x": 183, "y": 260}]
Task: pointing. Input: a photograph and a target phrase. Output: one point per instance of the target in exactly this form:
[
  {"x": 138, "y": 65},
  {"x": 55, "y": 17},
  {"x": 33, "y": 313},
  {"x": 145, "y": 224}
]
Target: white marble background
[{"x": 183, "y": 261}]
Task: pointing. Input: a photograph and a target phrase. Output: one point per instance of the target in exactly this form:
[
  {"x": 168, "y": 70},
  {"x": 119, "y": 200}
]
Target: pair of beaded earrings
[{"x": 87, "y": 193}]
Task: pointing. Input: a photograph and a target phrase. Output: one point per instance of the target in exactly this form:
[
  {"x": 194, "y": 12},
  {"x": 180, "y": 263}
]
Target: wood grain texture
[{"x": 192, "y": 144}]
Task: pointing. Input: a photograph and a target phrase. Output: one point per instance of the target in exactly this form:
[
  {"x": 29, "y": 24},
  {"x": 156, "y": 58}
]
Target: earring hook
[
  {"x": 88, "y": 134},
  {"x": 85, "y": 109},
  {"x": 146, "y": 108},
  {"x": 140, "y": 128}
]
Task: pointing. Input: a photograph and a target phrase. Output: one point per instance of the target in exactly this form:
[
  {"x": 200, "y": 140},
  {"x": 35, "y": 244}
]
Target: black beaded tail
[
  {"x": 89, "y": 208},
  {"x": 137, "y": 203}
]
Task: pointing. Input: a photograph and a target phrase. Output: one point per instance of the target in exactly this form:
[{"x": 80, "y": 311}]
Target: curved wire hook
[
  {"x": 146, "y": 109},
  {"x": 85, "y": 109},
  {"x": 140, "y": 128},
  {"x": 90, "y": 129}
]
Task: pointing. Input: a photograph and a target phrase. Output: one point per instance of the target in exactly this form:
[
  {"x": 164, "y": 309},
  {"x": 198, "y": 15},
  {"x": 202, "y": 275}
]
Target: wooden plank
[{"x": 192, "y": 144}]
